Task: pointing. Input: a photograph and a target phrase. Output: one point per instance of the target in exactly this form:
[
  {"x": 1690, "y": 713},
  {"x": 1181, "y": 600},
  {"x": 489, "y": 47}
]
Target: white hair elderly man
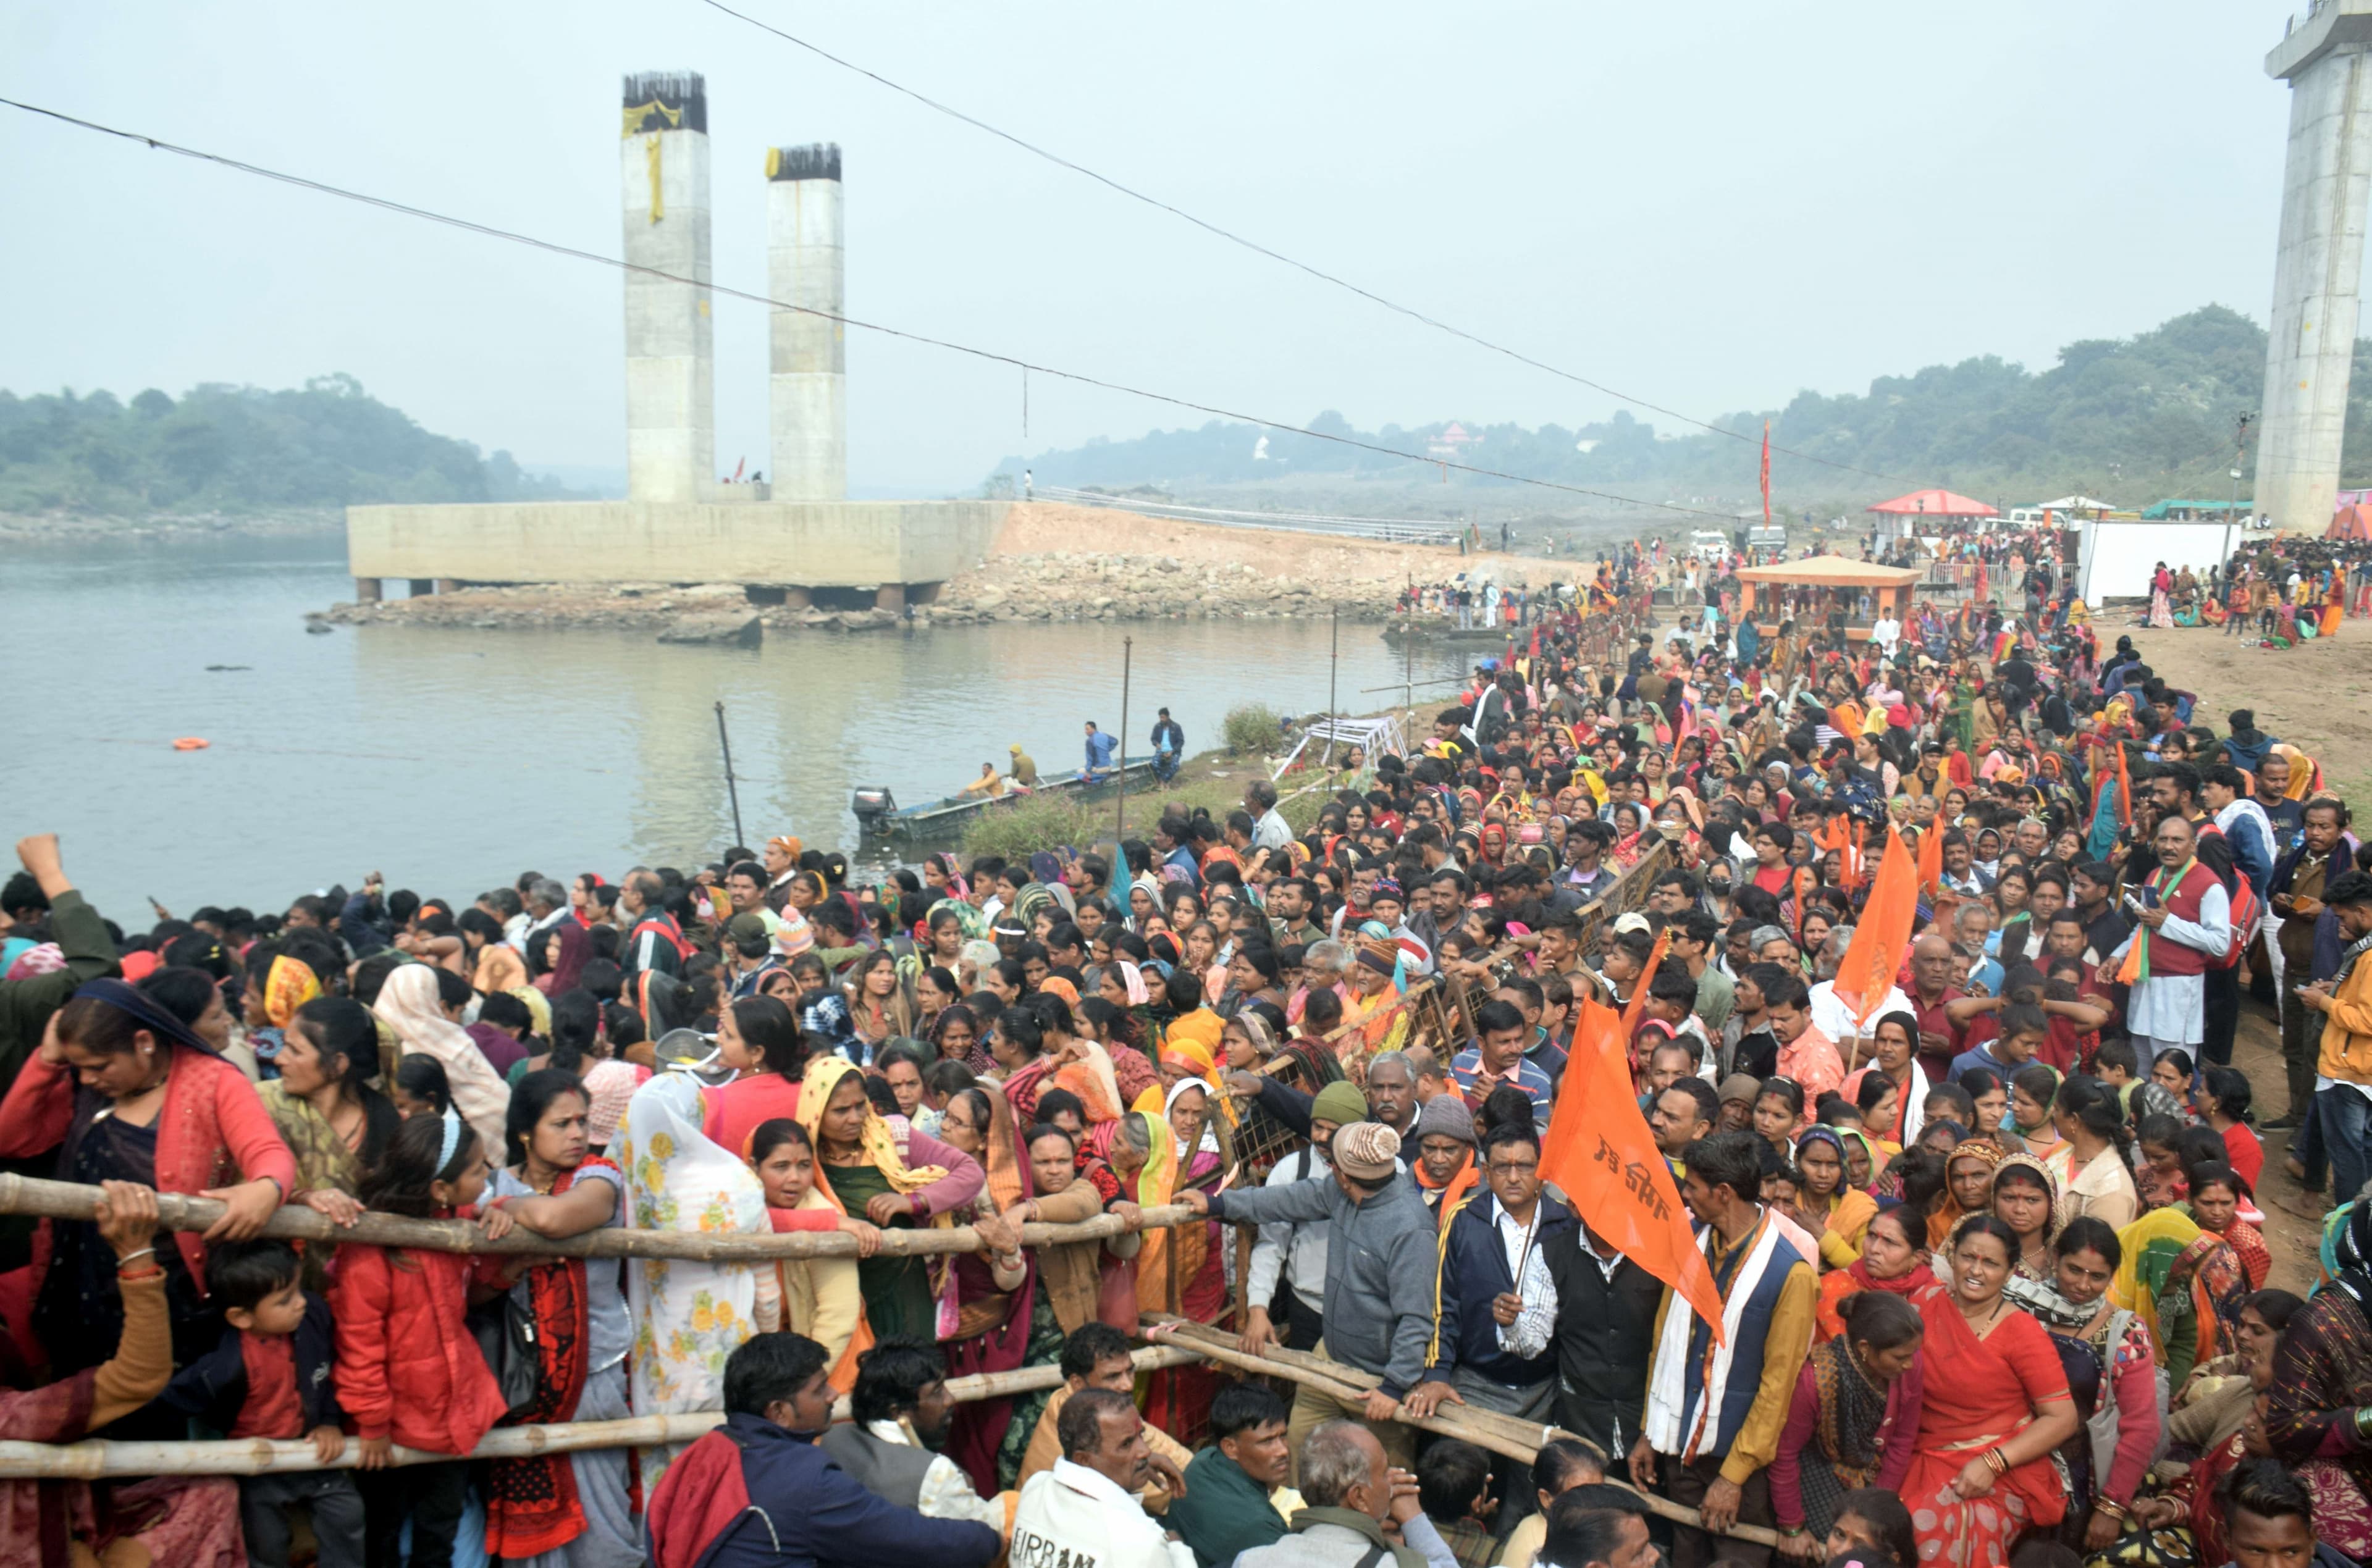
[{"x": 1350, "y": 1492}]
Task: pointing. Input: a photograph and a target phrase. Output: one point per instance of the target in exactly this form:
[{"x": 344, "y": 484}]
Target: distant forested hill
[
  {"x": 2132, "y": 419},
  {"x": 237, "y": 449}
]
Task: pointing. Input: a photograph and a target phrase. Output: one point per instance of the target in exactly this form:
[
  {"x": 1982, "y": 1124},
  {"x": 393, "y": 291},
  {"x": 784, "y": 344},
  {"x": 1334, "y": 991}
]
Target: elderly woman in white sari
[{"x": 688, "y": 1316}]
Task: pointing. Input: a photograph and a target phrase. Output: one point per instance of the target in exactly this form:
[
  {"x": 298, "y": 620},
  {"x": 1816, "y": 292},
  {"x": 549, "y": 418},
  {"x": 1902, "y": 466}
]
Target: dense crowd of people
[{"x": 1991, "y": 1259}]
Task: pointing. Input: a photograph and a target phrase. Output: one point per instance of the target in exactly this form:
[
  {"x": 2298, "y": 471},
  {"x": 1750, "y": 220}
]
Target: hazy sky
[{"x": 1711, "y": 206}]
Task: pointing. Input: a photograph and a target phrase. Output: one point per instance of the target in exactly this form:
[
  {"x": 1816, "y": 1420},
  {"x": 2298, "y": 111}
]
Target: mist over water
[{"x": 453, "y": 760}]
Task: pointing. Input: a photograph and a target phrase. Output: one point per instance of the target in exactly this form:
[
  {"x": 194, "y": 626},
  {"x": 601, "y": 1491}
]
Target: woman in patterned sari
[
  {"x": 860, "y": 1168},
  {"x": 564, "y": 1510},
  {"x": 2188, "y": 1285},
  {"x": 1853, "y": 1421}
]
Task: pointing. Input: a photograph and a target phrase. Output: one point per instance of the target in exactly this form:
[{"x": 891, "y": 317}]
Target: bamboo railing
[
  {"x": 1488, "y": 1430},
  {"x": 73, "y": 1201},
  {"x": 103, "y": 1460}
]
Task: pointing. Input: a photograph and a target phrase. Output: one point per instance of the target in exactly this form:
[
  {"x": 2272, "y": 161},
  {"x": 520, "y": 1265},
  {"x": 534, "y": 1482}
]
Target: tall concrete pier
[
  {"x": 2325, "y": 185},
  {"x": 808, "y": 392},
  {"x": 670, "y": 328}
]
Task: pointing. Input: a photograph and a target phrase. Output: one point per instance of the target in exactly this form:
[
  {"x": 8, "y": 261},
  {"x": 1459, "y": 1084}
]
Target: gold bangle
[{"x": 1997, "y": 1459}]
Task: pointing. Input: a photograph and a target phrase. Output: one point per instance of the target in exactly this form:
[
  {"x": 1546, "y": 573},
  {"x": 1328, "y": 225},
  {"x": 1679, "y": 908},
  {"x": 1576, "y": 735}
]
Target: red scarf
[{"x": 531, "y": 1504}]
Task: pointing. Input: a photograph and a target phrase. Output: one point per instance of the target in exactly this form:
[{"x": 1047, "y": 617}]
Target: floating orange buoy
[{"x": 190, "y": 743}]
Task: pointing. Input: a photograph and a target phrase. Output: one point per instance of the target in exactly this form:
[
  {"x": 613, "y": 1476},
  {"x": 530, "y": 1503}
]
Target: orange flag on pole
[
  {"x": 1599, "y": 1151},
  {"x": 1631, "y": 1009},
  {"x": 1931, "y": 854},
  {"x": 1883, "y": 931}
]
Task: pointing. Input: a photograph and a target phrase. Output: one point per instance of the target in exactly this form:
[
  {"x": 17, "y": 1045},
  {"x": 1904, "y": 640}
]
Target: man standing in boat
[
  {"x": 1169, "y": 747},
  {"x": 1099, "y": 752}
]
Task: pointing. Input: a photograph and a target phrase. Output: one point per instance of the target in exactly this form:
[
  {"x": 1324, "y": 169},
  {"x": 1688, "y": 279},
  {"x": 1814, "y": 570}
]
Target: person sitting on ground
[
  {"x": 1561, "y": 1464},
  {"x": 1350, "y": 1494},
  {"x": 1226, "y": 1507},
  {"x": 1453, "y": 1478},
  {"x": 1085, "y": 1509},
  {"x": 1096, "y": 1355},
  {"x": 900, "y": 1413},
  {"x": 757, "y": 1492}
]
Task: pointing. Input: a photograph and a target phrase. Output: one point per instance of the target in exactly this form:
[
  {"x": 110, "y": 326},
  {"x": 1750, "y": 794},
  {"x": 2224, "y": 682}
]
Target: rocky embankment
[
  {"x": 1062, "y": 586},
  {"x": 1068, "y": 585}
]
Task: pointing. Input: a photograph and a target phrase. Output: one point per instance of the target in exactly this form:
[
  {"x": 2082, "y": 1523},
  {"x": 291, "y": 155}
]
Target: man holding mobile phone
[{"x": 2183, "y": 921}]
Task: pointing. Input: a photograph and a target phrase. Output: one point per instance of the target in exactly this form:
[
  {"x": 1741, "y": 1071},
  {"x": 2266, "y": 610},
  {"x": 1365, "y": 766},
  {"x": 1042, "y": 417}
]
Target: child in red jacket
[{"x": 408, "y": 1369}]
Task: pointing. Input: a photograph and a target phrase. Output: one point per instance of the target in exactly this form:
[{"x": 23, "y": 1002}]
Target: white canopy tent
[{"x": 1378, "y": 736}]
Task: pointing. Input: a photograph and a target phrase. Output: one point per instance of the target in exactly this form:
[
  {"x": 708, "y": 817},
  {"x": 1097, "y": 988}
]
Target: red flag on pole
[
  {"x": 1599, "y": 1151},
  {"x": 1766, "y": 473}
]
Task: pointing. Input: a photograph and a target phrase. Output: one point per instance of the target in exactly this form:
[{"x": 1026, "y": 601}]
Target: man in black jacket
[{"x": 1605, "y": 1335}]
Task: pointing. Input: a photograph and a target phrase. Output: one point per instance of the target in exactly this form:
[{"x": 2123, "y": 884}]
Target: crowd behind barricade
[{"x": 1980, "y": 1197}]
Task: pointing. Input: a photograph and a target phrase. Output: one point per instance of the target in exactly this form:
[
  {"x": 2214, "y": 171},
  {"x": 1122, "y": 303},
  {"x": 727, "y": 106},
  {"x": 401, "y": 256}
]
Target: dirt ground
[
  {"x": 2314, "y": 697},
  {"x": 1042, "y": 528}
]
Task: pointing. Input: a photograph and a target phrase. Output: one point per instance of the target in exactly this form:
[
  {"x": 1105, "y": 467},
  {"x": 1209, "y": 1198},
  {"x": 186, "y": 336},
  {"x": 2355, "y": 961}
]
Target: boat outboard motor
[{"x": 873, "y": 806}]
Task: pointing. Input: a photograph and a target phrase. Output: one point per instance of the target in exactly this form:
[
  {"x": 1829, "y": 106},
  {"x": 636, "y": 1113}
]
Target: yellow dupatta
[{"x": 290, "y": 984}]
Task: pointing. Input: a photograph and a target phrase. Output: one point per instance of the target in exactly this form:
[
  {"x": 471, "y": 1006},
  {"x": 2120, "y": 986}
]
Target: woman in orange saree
[{"x": 1996, "y": 1405}]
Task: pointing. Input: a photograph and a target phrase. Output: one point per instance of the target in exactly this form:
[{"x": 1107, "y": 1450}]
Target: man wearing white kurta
[
  {"x": 2186, "y": 927},
  {"x": 1084, "y": 1512}
]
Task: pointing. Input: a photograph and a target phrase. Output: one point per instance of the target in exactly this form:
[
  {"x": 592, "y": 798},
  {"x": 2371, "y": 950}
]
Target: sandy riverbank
[{"x": 1050, "y": 563}]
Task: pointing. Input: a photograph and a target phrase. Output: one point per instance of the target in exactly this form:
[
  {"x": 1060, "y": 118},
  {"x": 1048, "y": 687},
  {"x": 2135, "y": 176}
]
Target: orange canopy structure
[
  {"x": 2352, "y": 522},
  {"x": 1890, "y": 587},
  {"x": 1831, "y": 572},
  {"x": 1933, "y": 503}
]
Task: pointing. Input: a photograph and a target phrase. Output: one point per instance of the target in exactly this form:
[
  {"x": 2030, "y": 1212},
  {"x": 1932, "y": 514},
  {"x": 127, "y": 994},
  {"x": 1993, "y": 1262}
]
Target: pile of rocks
[{"x": 1062, "y": 586}]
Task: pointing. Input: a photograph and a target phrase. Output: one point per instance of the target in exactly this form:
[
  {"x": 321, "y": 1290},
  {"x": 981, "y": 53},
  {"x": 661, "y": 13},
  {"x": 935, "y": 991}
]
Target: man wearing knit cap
[
  {"x": 1379, "y": 1258},
  {"x": 1298, "y": 1250},
  {"x": 1445, "y": 1154}
]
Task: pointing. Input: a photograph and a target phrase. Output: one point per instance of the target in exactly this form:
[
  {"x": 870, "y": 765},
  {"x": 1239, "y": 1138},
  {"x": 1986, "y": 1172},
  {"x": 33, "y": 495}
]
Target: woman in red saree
[{"x": 1995, "y": 1404}]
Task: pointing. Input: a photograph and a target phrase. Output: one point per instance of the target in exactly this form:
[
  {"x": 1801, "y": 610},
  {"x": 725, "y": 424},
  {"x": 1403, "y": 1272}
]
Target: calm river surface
[{"x": 454, "y": 759}]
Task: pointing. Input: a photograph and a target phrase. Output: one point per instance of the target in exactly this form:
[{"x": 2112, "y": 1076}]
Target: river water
[{"x": 454, "y": 760}]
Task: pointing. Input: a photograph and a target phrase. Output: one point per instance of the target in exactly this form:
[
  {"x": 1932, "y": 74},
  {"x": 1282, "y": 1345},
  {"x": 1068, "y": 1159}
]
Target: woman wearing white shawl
[
  {"x": 409, "y": 1003},
  {"x": 688, "y": 1316}
]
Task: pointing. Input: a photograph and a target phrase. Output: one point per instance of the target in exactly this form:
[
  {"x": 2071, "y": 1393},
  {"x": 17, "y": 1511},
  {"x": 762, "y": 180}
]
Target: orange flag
[
  {"x": 1599, "y": 1151},
  {"x": 1884, "y": 929},
  {"x": 1631, "y": 1009},
  {"x": 1931, "y": 854}
]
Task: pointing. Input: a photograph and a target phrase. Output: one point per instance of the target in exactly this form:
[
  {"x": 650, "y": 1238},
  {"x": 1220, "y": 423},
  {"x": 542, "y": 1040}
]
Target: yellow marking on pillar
[
  {"x": 651, "y": 151},
  {"x": 639, "y": 115}
]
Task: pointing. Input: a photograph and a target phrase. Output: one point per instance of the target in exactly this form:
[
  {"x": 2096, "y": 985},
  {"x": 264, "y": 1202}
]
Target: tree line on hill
[
  {"x": 2132, "y": 419},
  {"x": 238, "y": 449}
]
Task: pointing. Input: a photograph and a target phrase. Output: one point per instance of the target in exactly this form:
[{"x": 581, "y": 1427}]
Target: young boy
[
  {"x": 2118, "y": 1065},
  {"x": 270, "y": 1377}
]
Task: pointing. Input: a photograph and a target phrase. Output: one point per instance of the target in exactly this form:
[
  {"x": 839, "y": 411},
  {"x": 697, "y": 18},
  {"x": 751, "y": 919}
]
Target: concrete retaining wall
[{"x": 811, "y": 544}]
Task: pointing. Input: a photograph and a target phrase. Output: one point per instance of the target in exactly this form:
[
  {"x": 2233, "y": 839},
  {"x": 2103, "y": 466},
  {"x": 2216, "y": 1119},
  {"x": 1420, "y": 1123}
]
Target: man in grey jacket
[
  {"x": 1380, "y": 1266},
  {"x": 1352, "y": 1494}
]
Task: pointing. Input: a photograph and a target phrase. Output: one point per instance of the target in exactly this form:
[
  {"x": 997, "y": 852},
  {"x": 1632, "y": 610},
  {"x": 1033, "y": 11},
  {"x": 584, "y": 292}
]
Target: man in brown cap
[{"x": 1380, "y": 1262}]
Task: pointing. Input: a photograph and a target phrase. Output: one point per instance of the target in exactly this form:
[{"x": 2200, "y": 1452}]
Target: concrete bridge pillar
[
  {"x": 2325, "y": 180},
  {"x": 422, "y": 586},
  {"x": 809, "y": 391},
  {"x": 671, "y": 336},
  {"x": 448, "y": 584}
]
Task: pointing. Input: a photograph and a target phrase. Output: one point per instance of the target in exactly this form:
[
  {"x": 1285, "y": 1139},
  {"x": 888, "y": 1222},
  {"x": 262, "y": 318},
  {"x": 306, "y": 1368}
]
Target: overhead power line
[
  {"x": 1232, "y": 237},
  {"x": 991, "y": 356}
]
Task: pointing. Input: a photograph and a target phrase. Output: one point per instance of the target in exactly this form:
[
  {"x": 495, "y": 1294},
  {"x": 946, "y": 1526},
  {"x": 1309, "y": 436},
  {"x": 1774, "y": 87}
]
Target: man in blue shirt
[
  {"x": 1497, "y": 1057},
  {"x": 1100, "y": 750}
]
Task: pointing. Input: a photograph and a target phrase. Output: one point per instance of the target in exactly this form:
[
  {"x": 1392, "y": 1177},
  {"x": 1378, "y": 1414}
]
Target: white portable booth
[{"x": 2115, "y": 559}]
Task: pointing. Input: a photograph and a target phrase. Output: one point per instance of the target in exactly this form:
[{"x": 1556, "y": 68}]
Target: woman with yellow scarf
[{"x": 865, "y": 1173}]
